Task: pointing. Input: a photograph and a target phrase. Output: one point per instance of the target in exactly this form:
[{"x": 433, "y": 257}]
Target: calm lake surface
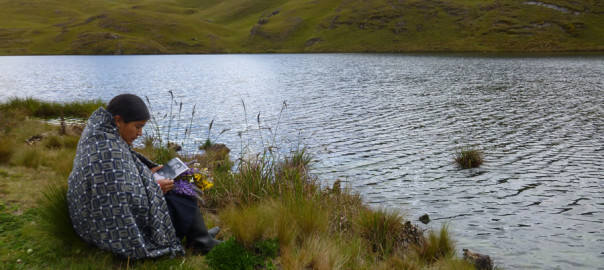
[{"x": 389, "y": 125}]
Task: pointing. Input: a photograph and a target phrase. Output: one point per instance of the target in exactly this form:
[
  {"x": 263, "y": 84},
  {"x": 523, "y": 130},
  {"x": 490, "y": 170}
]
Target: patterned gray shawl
[{"x": 113, "y": 201}]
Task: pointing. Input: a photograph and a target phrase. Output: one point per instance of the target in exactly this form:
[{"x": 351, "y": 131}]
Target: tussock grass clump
[
  {"x": 54, "y": 151},
  {"x": 293, "y": 173},
  {"x": 157, "y": 153},
  {"x": 295, "y": 166},
  {"x": 249, "y": 224},
  {"x": 397, "y": 262},
  {"x": 7, "y": 149},
  {"x": 344, "y": 208},
  {"x": 310, "y": 216},
  {"x": 53, "y": 142},
  {"x": 10, "y": 118},
  {"x": 469, "y": 158},
  {"x": 252, "y": 183},
  {"x": 58, "y": 142},
  {"x": 29, "y": 130},
  {"x": 287, "y": 230},
  {"x": 437, "y": 246},
  {"x": 30, "y": 157},
  {"x": 163, "y": 154},
  {"x": 45, "y": 109},
  {"x": 61, "y": 161},
  {"x": 54, "y": 215},
  {"x": 382, "y": 229},
  {"x": 315, "y": 252}
]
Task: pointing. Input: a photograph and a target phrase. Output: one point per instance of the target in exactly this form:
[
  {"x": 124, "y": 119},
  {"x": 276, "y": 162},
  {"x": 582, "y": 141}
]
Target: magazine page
[{"x": 171, "y": 170}]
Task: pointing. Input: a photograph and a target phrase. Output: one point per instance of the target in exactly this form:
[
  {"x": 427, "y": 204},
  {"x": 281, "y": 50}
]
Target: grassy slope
[{"x": 190, "y": 26}]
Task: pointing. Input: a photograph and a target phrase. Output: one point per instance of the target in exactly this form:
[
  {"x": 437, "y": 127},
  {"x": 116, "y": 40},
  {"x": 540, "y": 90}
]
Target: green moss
[{"x": 233, "y": 255}]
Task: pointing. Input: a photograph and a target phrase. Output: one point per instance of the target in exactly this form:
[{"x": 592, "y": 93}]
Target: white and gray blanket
[{"x": 114, "y": 203}]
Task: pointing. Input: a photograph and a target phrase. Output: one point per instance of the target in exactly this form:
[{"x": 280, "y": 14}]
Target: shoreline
[
  {"x": 542, "y": 53},
  {"x": 341, "y": 230}
]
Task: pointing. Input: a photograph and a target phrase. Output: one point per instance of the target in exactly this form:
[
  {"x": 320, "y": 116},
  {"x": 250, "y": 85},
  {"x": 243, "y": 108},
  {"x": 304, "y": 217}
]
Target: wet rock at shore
[
  {"x": 174, "y": 146},
  {"x": 216, "y": 147},
  {"x": 424, "y": 219},
  {"x": 413, "y": 235},
  {"x": 480, "y": 261}
]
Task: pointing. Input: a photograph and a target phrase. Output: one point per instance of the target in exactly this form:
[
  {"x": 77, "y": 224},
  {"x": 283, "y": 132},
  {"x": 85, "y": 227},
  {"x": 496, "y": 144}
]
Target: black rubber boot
[
  {"x": 214, "y": 231},
  {"x": 199, "y": 237}
]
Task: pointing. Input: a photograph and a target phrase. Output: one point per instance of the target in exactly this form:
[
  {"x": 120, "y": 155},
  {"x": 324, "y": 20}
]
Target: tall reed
[{"x": 160, "y": 137}]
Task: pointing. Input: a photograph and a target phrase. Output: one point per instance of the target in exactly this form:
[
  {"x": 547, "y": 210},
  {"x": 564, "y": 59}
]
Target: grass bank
[
  {"x": 269, "y": 207},
  {"x": 286, "y": 26}
]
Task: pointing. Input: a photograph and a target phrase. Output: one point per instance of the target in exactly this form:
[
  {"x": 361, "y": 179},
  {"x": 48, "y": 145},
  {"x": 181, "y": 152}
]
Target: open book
[{"x": 171, "y": 170}]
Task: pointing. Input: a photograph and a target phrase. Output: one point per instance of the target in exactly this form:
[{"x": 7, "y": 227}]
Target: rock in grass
[{"x": 35, "y": 138}]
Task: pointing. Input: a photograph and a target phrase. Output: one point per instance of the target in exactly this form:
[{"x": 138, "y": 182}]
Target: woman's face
[{"x": 130, "y": 131}]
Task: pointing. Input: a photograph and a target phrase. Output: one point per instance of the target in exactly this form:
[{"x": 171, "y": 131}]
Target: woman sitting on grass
[{"x": 115, "y": 204}]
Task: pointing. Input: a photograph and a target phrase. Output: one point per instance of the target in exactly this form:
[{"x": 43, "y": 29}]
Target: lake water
[{"x": 389, "y": 125}]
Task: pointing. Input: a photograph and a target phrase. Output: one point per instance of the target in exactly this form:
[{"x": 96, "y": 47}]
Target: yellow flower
[{"x": 206, "y": 185}]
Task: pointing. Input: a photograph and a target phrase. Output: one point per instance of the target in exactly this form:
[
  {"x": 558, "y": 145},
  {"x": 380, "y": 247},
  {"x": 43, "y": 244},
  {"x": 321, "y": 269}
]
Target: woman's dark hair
[{"x": 130, "y": 107}]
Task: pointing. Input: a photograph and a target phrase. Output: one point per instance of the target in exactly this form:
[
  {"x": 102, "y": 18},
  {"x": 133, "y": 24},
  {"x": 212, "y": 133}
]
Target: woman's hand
[
  {"x": 155, "y": 169},
  {"x": 166, "y": 184}
]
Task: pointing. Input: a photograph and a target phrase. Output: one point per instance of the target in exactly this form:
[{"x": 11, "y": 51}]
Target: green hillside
[{"x": 240, "y": 26}]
